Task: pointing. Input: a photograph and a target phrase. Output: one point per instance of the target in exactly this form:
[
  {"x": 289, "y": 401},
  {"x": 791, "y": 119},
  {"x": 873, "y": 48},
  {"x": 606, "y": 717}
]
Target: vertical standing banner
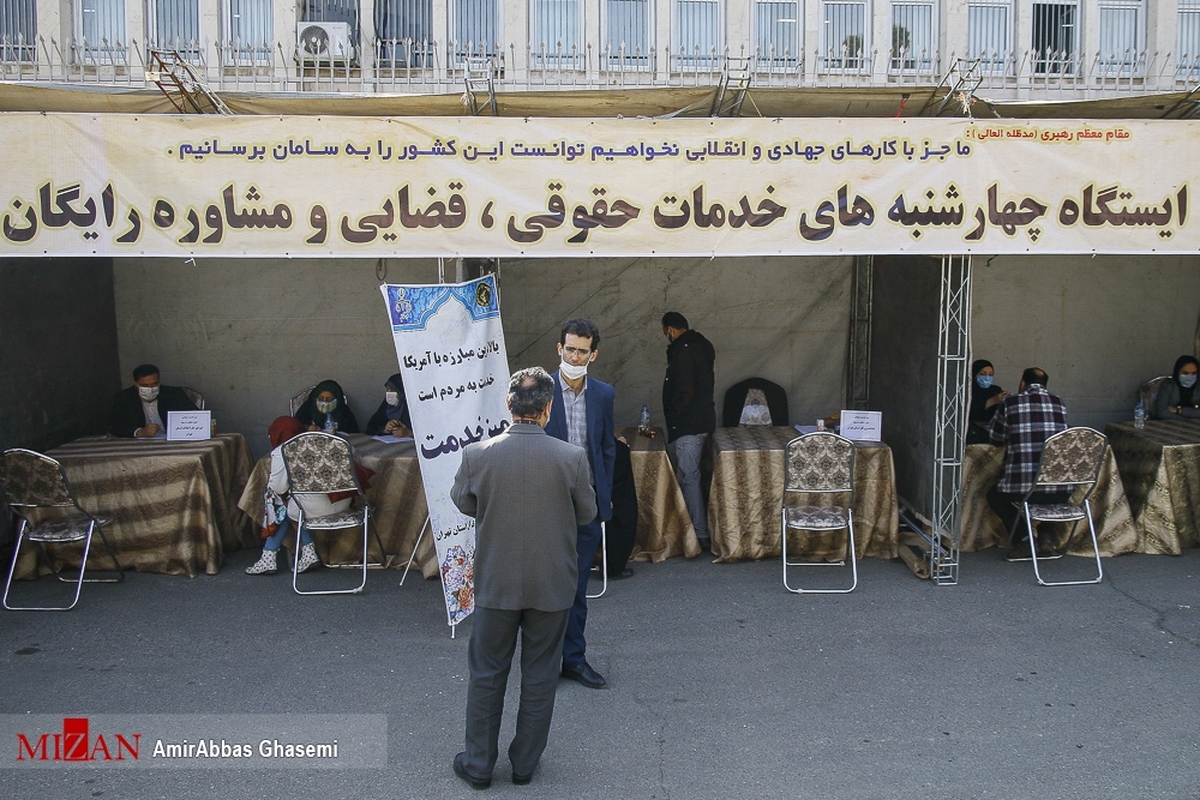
[{"x": 451, "y": 351}]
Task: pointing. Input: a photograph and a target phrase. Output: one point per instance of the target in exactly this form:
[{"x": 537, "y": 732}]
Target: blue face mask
[
  {"x": 984, "y": 381},
  {"x": 1187, "y": 381}
]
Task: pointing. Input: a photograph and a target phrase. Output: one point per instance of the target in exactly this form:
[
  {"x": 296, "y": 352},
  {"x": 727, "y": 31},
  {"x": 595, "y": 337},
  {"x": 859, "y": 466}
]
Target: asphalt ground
[{"x": 721, "y": 683}]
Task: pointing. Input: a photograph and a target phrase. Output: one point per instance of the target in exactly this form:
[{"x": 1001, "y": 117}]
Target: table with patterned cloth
[
  {"x": 171, "y": 504},
  {"x": 397, "y": 499},
  {"x": 747, "y": 493},
  {"x": 981, "y": 528},
  {"x": 664, "y": 527},
  {"x": 1160, "y": 467}
]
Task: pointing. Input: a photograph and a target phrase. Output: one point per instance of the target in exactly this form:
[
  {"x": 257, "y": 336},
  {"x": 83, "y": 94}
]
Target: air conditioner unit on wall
[{"x": 324, "y": 41}]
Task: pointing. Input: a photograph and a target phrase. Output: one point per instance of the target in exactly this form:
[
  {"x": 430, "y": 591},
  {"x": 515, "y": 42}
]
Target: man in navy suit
[{"x": 582, "y": 414}]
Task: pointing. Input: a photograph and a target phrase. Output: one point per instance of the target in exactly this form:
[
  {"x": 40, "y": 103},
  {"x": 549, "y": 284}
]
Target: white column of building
[
  {"x": 515, "y": 33},
  {"x": 591, "y": 40},
  {"x": 660, "y": 40}
]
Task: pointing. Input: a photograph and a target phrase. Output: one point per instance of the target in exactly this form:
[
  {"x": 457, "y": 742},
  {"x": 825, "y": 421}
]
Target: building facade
[{"x": 1014, "y": 49}]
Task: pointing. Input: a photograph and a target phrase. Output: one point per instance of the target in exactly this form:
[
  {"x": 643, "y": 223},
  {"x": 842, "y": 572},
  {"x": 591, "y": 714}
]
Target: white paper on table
[
  {"x": 387, "y": 438},
  {"x": 806, "y": 429}
]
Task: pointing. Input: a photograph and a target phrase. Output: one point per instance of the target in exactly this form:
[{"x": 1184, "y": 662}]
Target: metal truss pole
[{"x": 950, "y": 429}]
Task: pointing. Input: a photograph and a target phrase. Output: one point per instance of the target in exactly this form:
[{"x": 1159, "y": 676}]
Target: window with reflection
[
  {"x": 777, "y": 26},
  {"x": 557, "y": 38},
  {"x": 844, "y": 43},
  {"x": 989, "y": 35},
  {"x": 913, "y": 37},
  {"x": 1121, "y": 36},
  {"x": 1055, "y": 38},
  {"x": 626, "y": 33},
  {"x": 698, "y": 42},
  {"x": 174, "y": 25},
  {"x": 249, "y": 30},
  {"x": 1188, "y": 39},
  {"x": 403, "y": 29},
  {"x": 18, "y": 30},
  {"x": 100, "y": 29}
]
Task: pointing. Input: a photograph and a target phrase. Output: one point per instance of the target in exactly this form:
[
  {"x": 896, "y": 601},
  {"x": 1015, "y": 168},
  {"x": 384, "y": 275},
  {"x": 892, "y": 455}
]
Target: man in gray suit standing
[{"x": 528, "y": 493}]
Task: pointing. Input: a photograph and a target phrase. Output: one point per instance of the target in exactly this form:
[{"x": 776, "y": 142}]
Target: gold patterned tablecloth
[
  {"x": 747, "y": 493},
  {"x": 980, "y": 528},
  {"x": 1160, "y": 467},
  {"x": 170, "y": 503},
  {"x": 397, "y": 499},
  {"x": 664, "y": 527}
]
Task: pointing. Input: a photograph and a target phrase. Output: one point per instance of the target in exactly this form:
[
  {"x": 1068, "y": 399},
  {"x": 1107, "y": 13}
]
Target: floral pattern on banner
[{"x": 458, "y": 576}]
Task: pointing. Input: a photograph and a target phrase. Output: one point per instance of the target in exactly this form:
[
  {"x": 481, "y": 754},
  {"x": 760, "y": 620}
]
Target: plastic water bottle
[
  {"x": 644, "y": 420},
  {"x": 329, "y": 426},
  {"x": 1139, "y": 416}
]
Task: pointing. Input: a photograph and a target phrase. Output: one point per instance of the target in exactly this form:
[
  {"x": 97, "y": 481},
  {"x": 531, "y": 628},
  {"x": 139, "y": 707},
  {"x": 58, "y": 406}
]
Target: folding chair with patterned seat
[
  {"x": 322, "y": 464},
  {"x": 34, "y": 482},
  {"x": 819, "y": 463},
  {"x": 1070, "y": 459},
  {"x": 298, "y": 399}
]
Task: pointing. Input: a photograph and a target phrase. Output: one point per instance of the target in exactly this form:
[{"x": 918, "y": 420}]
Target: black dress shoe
[
  {"x": 583, "y": 673},
  {"x": 622, "y": 575},
  {"x": 461, "y": 771},
  {"x": 522, "y": 780}
]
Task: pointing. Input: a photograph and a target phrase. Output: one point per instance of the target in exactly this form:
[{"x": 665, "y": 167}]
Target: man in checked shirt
[{"x": 1024, "y": 422}]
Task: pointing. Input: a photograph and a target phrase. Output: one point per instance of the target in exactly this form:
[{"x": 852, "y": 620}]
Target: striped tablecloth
[
  {"x": 1160, "y": 467},
  {"x": 171, "y": 503},
  {"x": 981, "y": 528},
  {"x": 397, "y": 499},
  {"x": 664, "y": 527},
  {"x": 747, "y": 492}
]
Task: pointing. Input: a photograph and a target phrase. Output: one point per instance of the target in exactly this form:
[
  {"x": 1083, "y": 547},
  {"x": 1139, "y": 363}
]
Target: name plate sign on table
[
  {"x": 189, "y": 426},
  {"x": 450, "y": 346},
  {"x": 862, "y": 426}
]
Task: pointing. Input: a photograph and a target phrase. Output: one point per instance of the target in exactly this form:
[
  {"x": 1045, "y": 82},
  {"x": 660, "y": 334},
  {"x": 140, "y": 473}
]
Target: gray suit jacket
[{"x": 528, "y": 492}]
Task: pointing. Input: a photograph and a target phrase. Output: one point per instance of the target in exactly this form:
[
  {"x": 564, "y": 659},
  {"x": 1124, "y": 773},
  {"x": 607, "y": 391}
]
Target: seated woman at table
[
  {"x": 392, "y": 417},
  {"x": 326, "y": 409},
  {"x": 985, "y": 400},
  {"x": 1177, "y": 396},
  {"x": 280, "y": 511}
]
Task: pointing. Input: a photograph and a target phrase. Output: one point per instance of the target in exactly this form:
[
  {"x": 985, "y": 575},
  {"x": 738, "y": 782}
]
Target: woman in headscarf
[
  {"x": 326, "y": 409},
  {"x": 985, "y": 399},
  {"x": 279, "y": 511},
  {"x": 1177, "y": 396},
  {"x": 392, "y": 417}
]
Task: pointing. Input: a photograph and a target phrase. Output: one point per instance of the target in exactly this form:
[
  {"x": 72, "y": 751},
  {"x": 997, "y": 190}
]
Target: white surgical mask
[
  {"x": 148, "y": 393},
  {"x": 1187, "y": 381},
  {"x": 326, "y": 407},
  {"x": 393, "y": 398},
  {"x": 572, "y": 372}
]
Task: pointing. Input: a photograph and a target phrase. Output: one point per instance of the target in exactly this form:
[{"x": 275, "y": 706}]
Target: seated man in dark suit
[{"x": 141, "y": 410}]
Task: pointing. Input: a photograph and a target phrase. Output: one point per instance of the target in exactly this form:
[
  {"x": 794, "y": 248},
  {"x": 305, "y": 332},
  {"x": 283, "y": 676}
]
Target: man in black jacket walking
[{"x": 690, "y": 412}]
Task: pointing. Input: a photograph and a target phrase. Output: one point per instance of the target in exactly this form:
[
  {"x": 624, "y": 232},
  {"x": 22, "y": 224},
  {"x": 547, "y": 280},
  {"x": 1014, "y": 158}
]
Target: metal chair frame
[
  {"x": 299, "y": 397},
  {"x": 75, "y": 527},
  {"x": 313, "y": 485},
  {"x": 1075, "y": 475},
  {"x": 196, "y": 397},
  {"x": 826, "y": 485},
  {"x": 603, "y": 561}
]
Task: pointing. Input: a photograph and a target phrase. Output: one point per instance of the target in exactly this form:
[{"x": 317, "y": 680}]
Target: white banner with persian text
[
  {"x": 450, "y": 346},
  {"x": 125, "y": 185}
]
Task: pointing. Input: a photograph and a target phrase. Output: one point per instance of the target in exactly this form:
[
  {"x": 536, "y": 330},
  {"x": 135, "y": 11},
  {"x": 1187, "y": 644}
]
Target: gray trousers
[
  {"x": 489, "y": 659},
  {"x": 685, "y": 453}
]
